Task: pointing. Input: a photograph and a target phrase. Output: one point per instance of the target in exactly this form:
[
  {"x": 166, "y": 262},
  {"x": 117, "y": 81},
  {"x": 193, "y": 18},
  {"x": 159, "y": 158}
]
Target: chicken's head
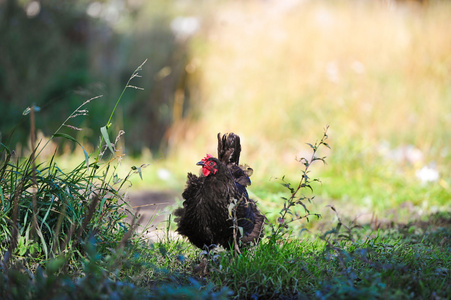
[{"x": 209, "y": 165}]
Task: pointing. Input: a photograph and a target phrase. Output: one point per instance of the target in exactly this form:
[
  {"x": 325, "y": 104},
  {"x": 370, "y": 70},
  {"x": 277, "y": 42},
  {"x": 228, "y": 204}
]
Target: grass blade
[{"x": 104, "y": 132}]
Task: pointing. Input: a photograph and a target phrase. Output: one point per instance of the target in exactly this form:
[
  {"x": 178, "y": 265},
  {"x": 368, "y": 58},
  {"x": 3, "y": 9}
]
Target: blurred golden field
[
  {"x": 378, "y": 73},
  {"x": 278, "y": 75}
]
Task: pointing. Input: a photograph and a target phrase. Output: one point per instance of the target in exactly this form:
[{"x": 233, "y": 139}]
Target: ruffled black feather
[{"x": 205, "y": 218}]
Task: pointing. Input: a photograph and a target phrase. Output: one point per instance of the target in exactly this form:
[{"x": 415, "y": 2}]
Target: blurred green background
[
  {"x": 57, "y": 54},
  {"x": 274, "y": 72}
]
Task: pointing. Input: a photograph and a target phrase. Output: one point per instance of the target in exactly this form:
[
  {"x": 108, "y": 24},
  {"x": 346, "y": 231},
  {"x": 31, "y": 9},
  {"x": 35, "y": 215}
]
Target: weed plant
[{"x": 287, "y": 214}]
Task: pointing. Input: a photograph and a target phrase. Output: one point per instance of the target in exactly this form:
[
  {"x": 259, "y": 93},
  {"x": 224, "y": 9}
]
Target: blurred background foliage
[
  {"x": 275, "y": 72},
  {"x": 56, "y": 54}
]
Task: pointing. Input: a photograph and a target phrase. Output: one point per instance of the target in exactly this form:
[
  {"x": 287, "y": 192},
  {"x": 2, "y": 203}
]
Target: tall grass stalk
[{"x": 104, "y": 129}]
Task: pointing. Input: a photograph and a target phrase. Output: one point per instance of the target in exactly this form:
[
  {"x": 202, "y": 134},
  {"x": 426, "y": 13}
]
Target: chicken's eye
[{"x": 211, "y": 164}]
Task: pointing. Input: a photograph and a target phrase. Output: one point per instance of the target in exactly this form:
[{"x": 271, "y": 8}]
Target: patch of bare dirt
[{"x": 153, "y": 208}]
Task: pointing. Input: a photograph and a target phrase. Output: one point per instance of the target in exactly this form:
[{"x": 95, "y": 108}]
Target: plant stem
[
  {"x": 33, "y": 170},
  {"x": 108, "y": 124},
  {"x": 304, "y": 182}
]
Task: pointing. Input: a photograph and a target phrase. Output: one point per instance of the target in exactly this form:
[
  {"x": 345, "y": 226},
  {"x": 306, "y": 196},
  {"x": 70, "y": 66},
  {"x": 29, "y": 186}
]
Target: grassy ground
[
  {"x": 377, "y": 74},
  {"x": 100, "y": 256}
]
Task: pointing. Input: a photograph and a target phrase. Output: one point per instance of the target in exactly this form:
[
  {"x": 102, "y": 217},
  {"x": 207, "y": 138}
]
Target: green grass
[
  {"x": 345, "y": 263},
  {"x": 47, "y": 210},
  {"x": 382, "y": 233},
  {"x": 96, "y": 255}
]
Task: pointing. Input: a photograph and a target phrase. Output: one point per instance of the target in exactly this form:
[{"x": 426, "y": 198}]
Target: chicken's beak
[{"x": 201, "y": 163}]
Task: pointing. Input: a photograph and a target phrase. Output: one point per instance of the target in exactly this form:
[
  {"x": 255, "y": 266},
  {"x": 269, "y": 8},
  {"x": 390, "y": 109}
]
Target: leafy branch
[{"x": 304, "y": 183}]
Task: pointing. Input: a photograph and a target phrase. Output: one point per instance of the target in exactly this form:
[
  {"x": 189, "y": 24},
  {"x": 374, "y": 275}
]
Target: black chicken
[{"x": 217, "y": 197}]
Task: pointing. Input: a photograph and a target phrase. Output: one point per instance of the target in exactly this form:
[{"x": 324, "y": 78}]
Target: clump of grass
[
  {"x": 50, "y": 283},
  {"x": 344, "y": 263},
  {"x": 46, "y": 211}
]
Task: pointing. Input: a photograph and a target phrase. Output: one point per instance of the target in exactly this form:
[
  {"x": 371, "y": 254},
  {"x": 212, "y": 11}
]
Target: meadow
[
  {"x": 363, "y": 86},
  {"x": 376, "y": 74}
]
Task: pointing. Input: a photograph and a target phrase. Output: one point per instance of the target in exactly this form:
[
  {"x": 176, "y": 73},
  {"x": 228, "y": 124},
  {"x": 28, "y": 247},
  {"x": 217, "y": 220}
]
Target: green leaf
[
  {"x": 116, "y": 179},
  {"x": 66, "y": 136},
  {"x": 43, "y": 243},
  {"x": 2, "y": 146},
  {"x": 102, "y": 203},
  {"x": 311, "y": 146},
  {"x": 48, "y": 211},
  {"x": 104, "y": 132}
]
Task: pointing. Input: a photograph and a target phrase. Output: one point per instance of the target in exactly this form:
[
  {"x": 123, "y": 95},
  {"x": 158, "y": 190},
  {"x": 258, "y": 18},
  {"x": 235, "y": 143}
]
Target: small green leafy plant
[{"x": 286, "y": 215}]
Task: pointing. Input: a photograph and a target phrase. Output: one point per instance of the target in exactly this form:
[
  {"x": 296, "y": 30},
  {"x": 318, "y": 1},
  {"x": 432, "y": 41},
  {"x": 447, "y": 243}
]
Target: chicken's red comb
[{"x": 207, "y": 157}]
